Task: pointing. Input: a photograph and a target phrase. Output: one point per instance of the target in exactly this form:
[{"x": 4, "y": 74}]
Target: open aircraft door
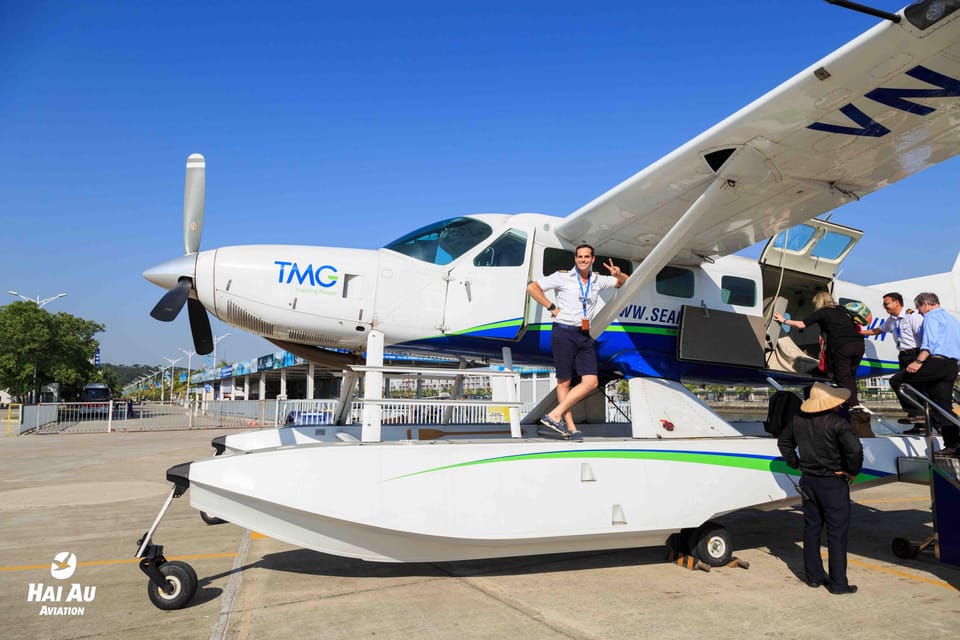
[
  {"x": 487, "y": 294},
  {"x": 815, "y": 247}
]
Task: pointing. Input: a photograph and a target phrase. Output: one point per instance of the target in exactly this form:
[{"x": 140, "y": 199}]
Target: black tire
[
  {"x": 209, "y": 519},
  {"x": 903, "y": 548},
  {"x": 713, "y": 545},
  {"x": 184, "y": 580}
]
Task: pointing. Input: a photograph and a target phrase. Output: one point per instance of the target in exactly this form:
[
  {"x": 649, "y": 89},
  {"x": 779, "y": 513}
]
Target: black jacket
[{"x": 827, "y": 444}]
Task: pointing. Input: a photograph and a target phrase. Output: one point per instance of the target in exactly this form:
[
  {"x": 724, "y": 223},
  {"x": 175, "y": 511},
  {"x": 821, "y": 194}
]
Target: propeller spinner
[{"x": 178, "y": 275}]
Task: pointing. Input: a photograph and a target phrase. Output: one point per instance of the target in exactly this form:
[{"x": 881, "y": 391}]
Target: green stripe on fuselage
[{"x": 753, "y": 463}]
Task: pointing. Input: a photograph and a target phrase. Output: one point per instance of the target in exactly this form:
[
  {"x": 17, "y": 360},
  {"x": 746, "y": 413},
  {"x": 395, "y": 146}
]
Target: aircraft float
[{"x": 877, "y": 110}]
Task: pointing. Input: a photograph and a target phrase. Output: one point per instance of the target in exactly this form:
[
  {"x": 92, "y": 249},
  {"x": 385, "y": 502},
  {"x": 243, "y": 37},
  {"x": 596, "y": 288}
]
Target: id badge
[{"x": 584, "y": 325}]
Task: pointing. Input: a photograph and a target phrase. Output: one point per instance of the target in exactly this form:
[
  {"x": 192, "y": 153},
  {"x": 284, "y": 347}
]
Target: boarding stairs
[{"x": 942, "y": 474}]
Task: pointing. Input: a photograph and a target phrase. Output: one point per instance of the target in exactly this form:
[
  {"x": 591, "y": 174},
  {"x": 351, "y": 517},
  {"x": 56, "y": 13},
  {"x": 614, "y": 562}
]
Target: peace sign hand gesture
[{"x": 612, "y": 268}]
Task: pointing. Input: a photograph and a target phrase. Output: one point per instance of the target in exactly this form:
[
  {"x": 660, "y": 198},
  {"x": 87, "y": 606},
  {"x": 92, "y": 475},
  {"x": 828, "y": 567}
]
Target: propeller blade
[
  {"x": 200, "y": 327},
  {"x": 194, "y": 194},
  {"x": 172, "y": 301}
]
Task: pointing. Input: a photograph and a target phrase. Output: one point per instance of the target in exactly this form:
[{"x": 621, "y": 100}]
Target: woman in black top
[{"x": 844, "y": 342}]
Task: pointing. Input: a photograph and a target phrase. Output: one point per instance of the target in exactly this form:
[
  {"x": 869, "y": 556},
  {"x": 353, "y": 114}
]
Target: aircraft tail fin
[{"x": 945, "y": 285}]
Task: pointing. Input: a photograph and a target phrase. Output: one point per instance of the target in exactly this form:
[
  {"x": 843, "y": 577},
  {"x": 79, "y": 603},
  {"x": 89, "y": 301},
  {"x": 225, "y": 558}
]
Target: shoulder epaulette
[{"x": 909, "y": 311}]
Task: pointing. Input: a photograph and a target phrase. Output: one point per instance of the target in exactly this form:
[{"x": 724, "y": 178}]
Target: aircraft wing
[{"x": 881, "y": 108}]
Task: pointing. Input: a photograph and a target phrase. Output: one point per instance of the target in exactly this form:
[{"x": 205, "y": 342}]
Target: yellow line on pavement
[
  {"x": 892, "y": 500},
  {"x": 896, "y": 572},
  {"x": 902, "y": 574},
  {"x": 91, "y": 563}
]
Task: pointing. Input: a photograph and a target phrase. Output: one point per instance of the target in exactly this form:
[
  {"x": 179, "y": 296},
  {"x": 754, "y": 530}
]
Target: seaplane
[{"x": 879, "y": 109}]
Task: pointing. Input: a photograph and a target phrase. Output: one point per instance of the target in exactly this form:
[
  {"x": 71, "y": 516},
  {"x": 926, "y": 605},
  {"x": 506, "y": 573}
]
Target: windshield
[
  {"x": 96, "y": 394},
  {"x": 442, "y": 242}
]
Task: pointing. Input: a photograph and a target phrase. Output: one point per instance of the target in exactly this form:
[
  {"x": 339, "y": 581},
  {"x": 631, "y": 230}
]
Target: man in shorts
[{"x": 574, "y": 351}]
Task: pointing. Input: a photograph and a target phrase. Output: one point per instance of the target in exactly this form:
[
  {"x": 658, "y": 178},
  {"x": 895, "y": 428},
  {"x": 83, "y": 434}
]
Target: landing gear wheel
[
  {"x": 182, "y": 578},
  {"x": 903, "y": 548},
  {"x": 209, "y": 519},
  {"x": 712, "y": 544}
]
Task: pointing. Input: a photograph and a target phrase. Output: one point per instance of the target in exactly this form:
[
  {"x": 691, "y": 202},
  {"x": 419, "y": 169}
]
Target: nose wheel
[
  {"x": 172, "y": 584},
  {"x": 178, "y": 588}
]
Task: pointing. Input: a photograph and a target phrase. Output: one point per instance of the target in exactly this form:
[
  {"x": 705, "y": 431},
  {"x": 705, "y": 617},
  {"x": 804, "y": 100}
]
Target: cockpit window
[{"x": 442, "y": 242}]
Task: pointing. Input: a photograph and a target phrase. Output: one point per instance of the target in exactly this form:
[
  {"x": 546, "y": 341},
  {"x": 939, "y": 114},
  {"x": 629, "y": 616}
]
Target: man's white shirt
[
  {"x": 567, "y": 285},
  {"x": 905, "y": 328}
]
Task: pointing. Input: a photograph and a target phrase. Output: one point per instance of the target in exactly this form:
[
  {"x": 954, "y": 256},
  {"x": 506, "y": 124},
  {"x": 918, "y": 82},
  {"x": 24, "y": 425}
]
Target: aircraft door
[{"x": 487, "y": 293}]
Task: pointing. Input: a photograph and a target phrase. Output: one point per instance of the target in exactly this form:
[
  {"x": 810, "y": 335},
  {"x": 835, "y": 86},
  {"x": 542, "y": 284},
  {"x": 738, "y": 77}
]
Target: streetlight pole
[
  {"x": 158, "y": 372},
  {"x": 189, "y": 355},
  {"x": 189, "y": 403},
  {"x": 40, "y": 304},
  {"x": 173, "y": 369},
  {"x": 215, "y": 341}
]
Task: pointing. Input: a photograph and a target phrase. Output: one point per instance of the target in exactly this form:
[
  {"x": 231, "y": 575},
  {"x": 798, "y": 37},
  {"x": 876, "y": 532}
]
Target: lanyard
[{"x": 584, "y": 294}]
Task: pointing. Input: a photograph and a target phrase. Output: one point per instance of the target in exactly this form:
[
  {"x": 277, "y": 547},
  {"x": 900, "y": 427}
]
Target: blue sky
[{"x": 349, "y": 124}]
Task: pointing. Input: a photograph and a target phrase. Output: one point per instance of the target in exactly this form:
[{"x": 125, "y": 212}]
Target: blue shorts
[{"x": 574, "y": 352}]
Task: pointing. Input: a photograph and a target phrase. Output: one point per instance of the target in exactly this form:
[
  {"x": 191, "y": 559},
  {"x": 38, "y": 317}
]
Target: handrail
[
  {"x": 914, "y": 396},
  {"x": 435, "y": 373},
  {"x": 374, "y": 405},
  {"x": 921, "y": 401},
  {"x": 443, "y": 402}
]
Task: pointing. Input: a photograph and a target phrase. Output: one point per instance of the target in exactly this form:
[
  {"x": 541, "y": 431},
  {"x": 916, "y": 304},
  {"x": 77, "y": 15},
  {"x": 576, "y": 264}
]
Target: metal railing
[{"x": 921, "y": 401}]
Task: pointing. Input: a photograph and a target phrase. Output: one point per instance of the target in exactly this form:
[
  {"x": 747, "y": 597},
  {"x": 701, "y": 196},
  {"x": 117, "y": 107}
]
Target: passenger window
[
  {"x": 795, "y": 238},
  {"x": 560, "y": 260},
  {"x": 506, "y": 251},
  {"x": 831, "y": 246},
  {"x": 738, "y": 291},
  {"x": 676, "y": 282}
]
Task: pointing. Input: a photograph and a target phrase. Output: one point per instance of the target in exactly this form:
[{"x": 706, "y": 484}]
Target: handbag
[{"x": 824, "y": 365}]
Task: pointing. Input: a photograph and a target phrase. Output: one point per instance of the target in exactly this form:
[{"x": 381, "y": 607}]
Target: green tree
[{"x": 37, "y": 348}]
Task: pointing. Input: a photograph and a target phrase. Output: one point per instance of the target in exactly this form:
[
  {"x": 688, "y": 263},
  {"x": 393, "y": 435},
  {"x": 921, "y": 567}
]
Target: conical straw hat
[{"x": 824, "y": 397}]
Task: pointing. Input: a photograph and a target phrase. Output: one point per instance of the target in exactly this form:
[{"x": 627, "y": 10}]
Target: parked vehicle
[{"x": 96, "y": 399}]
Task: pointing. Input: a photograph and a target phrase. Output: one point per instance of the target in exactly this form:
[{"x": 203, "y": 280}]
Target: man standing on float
[{"x": 574, "y": 351}]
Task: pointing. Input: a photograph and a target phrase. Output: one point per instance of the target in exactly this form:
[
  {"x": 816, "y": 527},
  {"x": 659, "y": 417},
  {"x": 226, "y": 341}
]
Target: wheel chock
[
  {"x": 687, "y": 561},
  {"x": 690, "y": 562}
]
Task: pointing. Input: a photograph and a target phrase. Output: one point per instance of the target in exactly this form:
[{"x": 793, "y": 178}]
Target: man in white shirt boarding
[
  {"x": 905, "y": 324},
  {"x": 574, "y": 351}
]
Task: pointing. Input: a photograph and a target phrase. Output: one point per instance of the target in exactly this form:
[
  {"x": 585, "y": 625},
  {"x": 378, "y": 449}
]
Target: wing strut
[{"x": 661, "y": 254}]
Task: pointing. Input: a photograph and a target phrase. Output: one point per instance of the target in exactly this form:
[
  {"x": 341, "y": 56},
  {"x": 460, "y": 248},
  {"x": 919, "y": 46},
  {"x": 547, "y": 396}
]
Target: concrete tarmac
[{"x": 94, "y": 495}]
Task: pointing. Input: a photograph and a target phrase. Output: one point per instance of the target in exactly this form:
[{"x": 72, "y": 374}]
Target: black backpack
[{"x": 783, "y": 407}]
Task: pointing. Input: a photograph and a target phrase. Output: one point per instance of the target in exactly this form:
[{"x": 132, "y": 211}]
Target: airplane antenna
[{"x": 870, "y": 11}]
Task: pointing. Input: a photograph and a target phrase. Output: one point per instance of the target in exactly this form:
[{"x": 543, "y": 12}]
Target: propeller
[
  {"x": 180, "y": 272},
  {"x": 200, "y": 327},
  {"x": 172, "y": 301}
]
